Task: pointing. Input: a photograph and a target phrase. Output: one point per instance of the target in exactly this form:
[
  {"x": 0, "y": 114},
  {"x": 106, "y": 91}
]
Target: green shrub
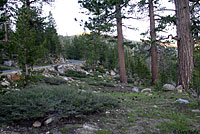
[
  {"x": 41, "y": 101},
  {"x": 158, "y": 85},
  {"x": 195, "y": 83},
  {"x": 141, "y": 70},
  {"x": 73, "y": 73},
  {"x": 53, "y": 81},
  {"x": 100, "y": 83}
]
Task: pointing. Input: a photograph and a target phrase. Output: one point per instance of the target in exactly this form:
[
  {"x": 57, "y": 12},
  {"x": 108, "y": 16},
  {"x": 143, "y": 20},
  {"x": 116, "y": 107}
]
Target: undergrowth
[{"x": 42, "y": 101}]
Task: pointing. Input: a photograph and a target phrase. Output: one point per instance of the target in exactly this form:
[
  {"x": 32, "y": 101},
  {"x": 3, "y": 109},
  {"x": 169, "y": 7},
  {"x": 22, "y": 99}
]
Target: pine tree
[
  {"x": 185, "y": 43},
  {"x": 104, "y": 14},
  {"x": 2, "y": 18},
  {"x": 52, "y": 42},
  {"x": 24, "y": 39}
]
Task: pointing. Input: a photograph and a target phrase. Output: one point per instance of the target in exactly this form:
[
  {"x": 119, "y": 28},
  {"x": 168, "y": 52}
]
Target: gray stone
[
  {"x": 168, "y": 87},
  {"x": 60, "y": 69},
  {"x": 8, "y": 63},
  {"x": 5, "y": 83},
  {"x": 182, "y": 101},
  {"x": 146, "y": 90},
  {"x": 87, "y": 129},
  {"x": 48, "y": 121},
  {"x": 100, "y": 76},
  {"x": 135, "y": 89},
  {"x": 196, "y": 111},
  {"x": 135, "y": 83}
]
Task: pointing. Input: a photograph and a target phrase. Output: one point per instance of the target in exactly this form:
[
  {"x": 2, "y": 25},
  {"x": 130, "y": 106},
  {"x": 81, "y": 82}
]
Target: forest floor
[{"x": 138, "y": 113}]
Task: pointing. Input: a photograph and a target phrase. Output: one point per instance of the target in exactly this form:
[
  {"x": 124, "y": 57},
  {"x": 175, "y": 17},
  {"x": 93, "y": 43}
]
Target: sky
[{"x": 65, "y": 12}]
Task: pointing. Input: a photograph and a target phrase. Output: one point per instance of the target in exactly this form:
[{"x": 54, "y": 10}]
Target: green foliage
[
  {"x": 100, "y": 83},
  {"x": 74, "y": 73},
  {"x": 53, "y": 80},
  {"x": 2, "y": 18},
  {"x": 24, "y": 38},
  {"x": 41, "y": 101},
  {"x": 141, "y": 70},
  {"x": 95, "y": 49},
  {"x": 51, "y": 42},
  {"x": 158, "y": 85},
  {"x": 195, "y": 84},
  {"x": 179, "y": 123},
  {"x": 103, "y": 131},
  {"x": 168, "y": 65}
]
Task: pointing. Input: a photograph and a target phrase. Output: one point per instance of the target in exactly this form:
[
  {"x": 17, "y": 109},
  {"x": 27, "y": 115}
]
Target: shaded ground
[{"x": 138, "y": 113}]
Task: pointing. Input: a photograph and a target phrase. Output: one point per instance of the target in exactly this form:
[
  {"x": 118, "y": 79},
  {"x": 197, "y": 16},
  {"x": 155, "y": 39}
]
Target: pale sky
[{"x": 64, "y": 12}]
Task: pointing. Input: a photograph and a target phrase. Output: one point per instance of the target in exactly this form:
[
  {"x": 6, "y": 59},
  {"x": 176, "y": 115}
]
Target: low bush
[
  {"x": 100, "y": 83},
  {"x": 73, "y": 73},
  {"x": 53, "y": 81},
  {"x": 42, "y": 101}
]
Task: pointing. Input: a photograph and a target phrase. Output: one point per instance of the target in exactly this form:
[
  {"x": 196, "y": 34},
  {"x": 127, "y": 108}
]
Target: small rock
[
  {"x": 5, "y": 83},
  {"x": 60, "y": 69},
  {"x": 107, "y": 112},
  {"x": 112, "y": 73},
  {"x": 179, "y": 89},
  {"x": 96, "y": 92},
  {"x": 196, "y": 111},
  {"x": 87, "y": 73},
  {"x": 65, "y": 78},
  {"x": 135, "y": 83},
  {"x": 8, "y": 63},
  {"x": 147, "y": 90},
  {"x": 37, "y": 124},
  {"x": 135, "y": 89},
  {"x": 100, "y": 76},
  {"x": 90, "y": 127},
  {"x": 155, "y": 106},
  {"x": 48, "y": 121},
  {"x": 168, "y": 87},
  {"x": 182, "y": 101},
  {"x": 150, "y": 94}
]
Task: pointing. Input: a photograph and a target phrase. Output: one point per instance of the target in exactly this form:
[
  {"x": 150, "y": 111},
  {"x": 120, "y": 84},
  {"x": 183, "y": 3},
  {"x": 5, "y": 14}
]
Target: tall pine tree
[{"x": 105, "y": 15}]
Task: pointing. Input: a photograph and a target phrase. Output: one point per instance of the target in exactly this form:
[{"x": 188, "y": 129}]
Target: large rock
[{"x": 168, "y": 87}]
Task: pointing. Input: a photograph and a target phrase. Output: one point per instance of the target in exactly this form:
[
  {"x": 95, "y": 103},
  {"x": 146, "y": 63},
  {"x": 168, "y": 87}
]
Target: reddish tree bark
[
  {"x": 154, "y": 53},
  {"x": 5, "y": 26},
  {"x": 122, "y": 68},
  {"x": 185, "y": 43}
]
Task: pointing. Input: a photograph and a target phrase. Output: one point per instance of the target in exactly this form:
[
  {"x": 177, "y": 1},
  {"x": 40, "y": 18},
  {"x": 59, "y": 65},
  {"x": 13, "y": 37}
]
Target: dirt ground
[{"x": 139, "y": 113}]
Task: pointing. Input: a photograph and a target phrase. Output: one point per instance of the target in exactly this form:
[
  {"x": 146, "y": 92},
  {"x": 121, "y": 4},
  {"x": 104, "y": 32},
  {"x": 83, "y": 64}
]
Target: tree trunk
[
  {"x": 122, "y": 69},
  {"x": 26, "y": 70},
  {"x": 154, "y": 54},
  {"x": 185, "y": 43},
  {"x": 5, "y": 26}
]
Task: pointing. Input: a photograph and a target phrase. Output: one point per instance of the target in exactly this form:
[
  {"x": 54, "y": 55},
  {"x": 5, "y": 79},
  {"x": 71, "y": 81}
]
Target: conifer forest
[{"x": 100, "y": 81}]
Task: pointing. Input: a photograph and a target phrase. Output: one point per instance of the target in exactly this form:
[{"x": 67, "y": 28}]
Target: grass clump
[
  {"x": 103, "y": 131},
  {"x": 178, "y": 123},
  {"x": 42, "y": 101}
]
